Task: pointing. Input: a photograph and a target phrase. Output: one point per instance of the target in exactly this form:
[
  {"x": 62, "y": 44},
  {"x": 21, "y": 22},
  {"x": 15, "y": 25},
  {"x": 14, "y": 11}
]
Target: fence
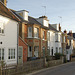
[
  {"x": 25, "y": 68},
  {"x": 29, "y": 66},
  {"x": 72, "y": 58},
  {"x": 55, "y": 62}
]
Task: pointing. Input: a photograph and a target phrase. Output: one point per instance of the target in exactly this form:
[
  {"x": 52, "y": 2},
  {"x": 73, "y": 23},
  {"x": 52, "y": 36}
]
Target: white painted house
[
  {"x": 58, "y": 38},
  {"x": 54, "y": 37},
  {"x": 8, "y": 35},
  {"x": 51, "y": 42}
]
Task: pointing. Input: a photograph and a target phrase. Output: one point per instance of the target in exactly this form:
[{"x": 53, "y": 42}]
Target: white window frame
[
  {"x": 1, "y": 54},
  {"x": 36, "y": 51},
  {"x": 36, "y": 32},
  {"x": 29, "y": 32},
  {"x": 29, "y": 51},
  {"x": 10, "y": 55},
  {"x": 48, "y": 36},
  {"x": 1, "y": 28},
  {"x": 56, "y": 37}
]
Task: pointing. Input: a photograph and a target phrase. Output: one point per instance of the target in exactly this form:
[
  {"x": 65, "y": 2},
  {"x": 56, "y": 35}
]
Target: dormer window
[{"x": 1, "y": 28}]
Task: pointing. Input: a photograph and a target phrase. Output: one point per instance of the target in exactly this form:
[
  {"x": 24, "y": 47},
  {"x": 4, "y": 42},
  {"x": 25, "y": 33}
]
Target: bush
[{"x": 58, "y": 55}]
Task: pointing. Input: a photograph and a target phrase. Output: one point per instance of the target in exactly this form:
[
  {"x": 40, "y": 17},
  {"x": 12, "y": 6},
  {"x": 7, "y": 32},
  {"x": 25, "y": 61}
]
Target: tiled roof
[
  {"x": 50, "y": 27},
  {"x": 33, "y": 20},
  {"x": 21, "y": 18},
  {"x": 4, "y": 11}
]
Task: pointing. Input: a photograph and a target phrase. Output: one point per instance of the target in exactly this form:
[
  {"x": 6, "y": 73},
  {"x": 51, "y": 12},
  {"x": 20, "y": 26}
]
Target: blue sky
[{"x": 54, "y": 9}]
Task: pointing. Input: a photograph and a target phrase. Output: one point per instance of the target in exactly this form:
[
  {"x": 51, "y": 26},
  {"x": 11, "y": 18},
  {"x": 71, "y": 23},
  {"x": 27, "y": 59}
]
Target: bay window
[
  {"x": 36, "y": 32},
  {"x": 29, "y": 32}
]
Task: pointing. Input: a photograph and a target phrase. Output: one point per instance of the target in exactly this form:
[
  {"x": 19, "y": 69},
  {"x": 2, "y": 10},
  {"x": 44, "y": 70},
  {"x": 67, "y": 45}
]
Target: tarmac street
[{"x": 66, "y": 69}]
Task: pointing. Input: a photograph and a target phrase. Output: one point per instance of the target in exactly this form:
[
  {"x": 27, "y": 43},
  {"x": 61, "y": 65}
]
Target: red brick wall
[
  {"x": 26, "y": 32},
  {"x": 25, "y": 49}
]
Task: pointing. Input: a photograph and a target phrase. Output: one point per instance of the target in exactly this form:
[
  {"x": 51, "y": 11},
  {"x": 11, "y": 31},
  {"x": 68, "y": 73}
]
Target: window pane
[
  {"x": 2, "y": 53},
  {"x": 14, "y": 54},
  {"x": 29, "y": 31},
  {"x": 1, "y": 27},
  {"x": 11, "y": 54},
  {"x": 2, "y": 30},
  {"x": 36, "y": 32}
]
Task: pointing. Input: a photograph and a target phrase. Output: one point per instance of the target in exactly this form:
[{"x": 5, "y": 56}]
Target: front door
[
  {"x": 52, "y": 51},
  {"x": 20, "y": 55}
]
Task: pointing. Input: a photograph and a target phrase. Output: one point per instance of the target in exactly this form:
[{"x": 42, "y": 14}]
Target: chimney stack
[
  {"x": 70, "y": 33},
  {"x": 65, "y": 31},
  {"x": 59, "y": 27}
]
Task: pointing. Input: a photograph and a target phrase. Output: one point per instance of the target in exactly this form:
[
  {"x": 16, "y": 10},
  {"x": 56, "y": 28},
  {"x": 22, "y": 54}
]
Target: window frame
[
  {"x": 2, "y": 54},
  {"x": 36, "y": 35},
  {"x": 29, "y": 32},
  {"x": 10, "y": 55},
  {"x": 2, "y": 29},
  {"x": 48, "y": 36}
]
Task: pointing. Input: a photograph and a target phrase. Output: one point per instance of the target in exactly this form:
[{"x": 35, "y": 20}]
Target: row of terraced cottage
[{"x": 23, "y": 37}]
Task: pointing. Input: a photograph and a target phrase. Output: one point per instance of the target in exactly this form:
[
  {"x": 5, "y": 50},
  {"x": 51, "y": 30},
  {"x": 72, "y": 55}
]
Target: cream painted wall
[
  {"x": 9, "y": 38},
  {"x": 53, "y": 44}
]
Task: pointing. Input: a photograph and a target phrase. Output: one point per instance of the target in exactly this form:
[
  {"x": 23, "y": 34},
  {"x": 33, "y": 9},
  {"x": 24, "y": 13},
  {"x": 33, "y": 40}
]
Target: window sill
[
  {"x": 36, "y": 38},
  {"x": 11, "y": 60},
  {"x": 29, "y": 37},
  {"x": 2, "y": 34}
]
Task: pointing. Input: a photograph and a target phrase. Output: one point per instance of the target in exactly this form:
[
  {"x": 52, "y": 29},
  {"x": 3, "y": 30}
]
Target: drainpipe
[{"x": 17, "y": 40}]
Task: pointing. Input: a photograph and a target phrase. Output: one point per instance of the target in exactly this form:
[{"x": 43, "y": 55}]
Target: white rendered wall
[
  {"x": 45, "y": 23},
  {"x": 51, "y": 43},
  {"x": 25, "y": 15},
  {"x": 58, "y": 44},
  {"x": 9, "y": 38}
]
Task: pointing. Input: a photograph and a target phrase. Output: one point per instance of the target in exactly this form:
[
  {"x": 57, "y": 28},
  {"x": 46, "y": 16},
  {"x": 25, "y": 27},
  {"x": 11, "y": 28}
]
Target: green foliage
[
  {"x": 2, "y": 64},
  {"x": 58, "y": 55}
]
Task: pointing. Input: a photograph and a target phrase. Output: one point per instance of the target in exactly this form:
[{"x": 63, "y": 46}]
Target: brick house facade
[{"x": 25, "y": 48}]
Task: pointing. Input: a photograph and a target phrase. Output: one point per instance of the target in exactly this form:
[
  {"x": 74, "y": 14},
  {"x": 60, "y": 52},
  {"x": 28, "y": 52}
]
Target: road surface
[{"x": 66, "y": 69}]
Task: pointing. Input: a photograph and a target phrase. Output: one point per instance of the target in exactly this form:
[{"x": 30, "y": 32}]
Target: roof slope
[
  {"x": 33, "y": 20},
  {"x": 50, "y": 27},
  {"x": 21, "y": 18},
  {"x": 4, "y": 11}
]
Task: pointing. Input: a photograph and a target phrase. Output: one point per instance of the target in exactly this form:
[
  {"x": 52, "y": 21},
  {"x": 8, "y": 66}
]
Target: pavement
[{"x": 64, "y": 69}]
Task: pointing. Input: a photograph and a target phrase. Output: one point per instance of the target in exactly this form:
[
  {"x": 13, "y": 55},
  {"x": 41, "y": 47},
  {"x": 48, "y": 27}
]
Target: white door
[{"x": 20, "y": 55}]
